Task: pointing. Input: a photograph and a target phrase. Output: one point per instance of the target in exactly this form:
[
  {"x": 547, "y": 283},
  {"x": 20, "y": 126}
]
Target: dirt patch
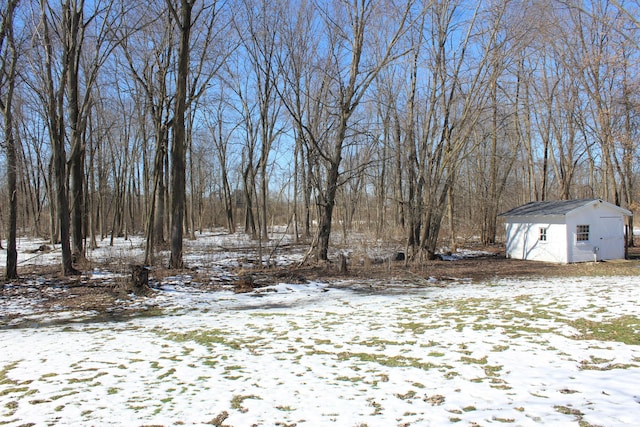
[
  {"x": 45, "y": 288},
  {"x": 473, "y": 269}
]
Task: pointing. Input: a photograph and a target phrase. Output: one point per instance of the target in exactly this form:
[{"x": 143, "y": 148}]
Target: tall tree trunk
[
  {"x": 6, "y": 33},
  {"x": 307, "y": 188},
  {"x": 11, "y": 271},
  {"x": 296, "y": 184},
  {"x": 262, "y": 218},
  {"x": 328, "y": 202},
  {"x": 76, "y": 165},
  {"x": 194, "y": 191},
  {"x": 160, "y": 193},
  {"x": 62, "y": 204},
  {"x": 73, "y": 14},
  {"x": 54, "y": 235},
  {"x": 55, "y": 111},
  {"x": 228, "y": 203},
  {"x": 94, "y": 210},
  {"x": 248, "y": 182},
  {"x": 178, "y": 148}
]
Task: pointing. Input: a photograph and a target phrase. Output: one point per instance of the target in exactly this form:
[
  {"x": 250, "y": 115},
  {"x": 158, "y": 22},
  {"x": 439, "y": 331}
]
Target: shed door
[{"x": 610, "y": 238}]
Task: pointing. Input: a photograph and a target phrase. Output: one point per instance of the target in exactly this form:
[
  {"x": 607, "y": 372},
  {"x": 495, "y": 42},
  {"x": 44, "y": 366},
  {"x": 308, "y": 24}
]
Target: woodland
[{"x": 418, "y": 121}]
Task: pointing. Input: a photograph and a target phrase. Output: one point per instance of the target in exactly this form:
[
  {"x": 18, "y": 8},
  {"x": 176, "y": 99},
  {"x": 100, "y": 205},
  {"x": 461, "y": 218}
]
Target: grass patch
[
  {"x": 12, "y": 390},
  {"x": 51, "y": 375},
  {"x": 492, "y": 371},
  {"x": 60, "y": 396},
  {"x": 238, "y": 400},
  {"x": 470, "y": 360},
  {"x": 567, "y": 410},
  {"x": 377, "y": 407},
  {"x": 210, "y": 362},
  {"x": 418, "y": 328},
  {"x": 349, "y": 379},
  {"x": 219, "y": 419},
  {"x": 435, "y": 400},
  {"x": 4, "y": 379},
  {"x": 207, "y": 338},
  {"x": 586, "y": 366},
  {"x": 388, "y": 361},
  {"x": 504, "y": 420},
  {"x": 166, "y": 374},
  {"x": 86, "y": 380},
  {"x": 381, "y": 343},
  {"x": 406, "y": 396},
  {"x": 624, "y": 329}
]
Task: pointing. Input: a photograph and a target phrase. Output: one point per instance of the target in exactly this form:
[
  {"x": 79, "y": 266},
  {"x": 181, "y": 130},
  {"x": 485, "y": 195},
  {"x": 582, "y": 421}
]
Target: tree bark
[
  {"x": 326, "y": 212},
  {"x": 9, "y": 78},
  {"x": 73, "y": 17},
  {"x": 178, "y": 148},
  {"x": 139, "y": 282}
]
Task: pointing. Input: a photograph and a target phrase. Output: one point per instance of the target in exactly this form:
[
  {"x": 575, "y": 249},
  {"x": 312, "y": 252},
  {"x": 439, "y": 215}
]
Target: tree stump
[
  {"x": 139, "y": 283},
  {"x": 343, "y": 264}
]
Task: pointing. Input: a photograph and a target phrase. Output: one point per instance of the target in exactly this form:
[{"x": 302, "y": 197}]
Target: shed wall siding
[
  {"x": 606, "y": 234},
  {"x": 523, "y": 239}
]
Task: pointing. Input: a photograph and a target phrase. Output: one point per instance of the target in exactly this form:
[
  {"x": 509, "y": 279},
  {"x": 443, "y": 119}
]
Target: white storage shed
[{"x": 566, "y": 231}]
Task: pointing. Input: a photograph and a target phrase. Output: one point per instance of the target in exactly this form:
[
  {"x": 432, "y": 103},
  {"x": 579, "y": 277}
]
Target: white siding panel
[
  {"x": 582, "y": 251},
  {"x": 610, "y": 232},
  {"x": 523, "y": 239},
  {"x": 606, "y": 234}
]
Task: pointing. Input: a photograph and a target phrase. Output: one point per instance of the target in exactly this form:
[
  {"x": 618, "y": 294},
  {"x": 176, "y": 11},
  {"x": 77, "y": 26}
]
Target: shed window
[
  {"x": 582, "y": 233},
  {"x": 543, "y": 234}
]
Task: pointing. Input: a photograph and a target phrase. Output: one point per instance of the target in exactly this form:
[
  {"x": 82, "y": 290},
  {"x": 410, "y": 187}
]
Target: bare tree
[
  {"x": 497, "y": 155},
  {"x": 629, "y": 135},
  {"x": 297, "y": 63},
  {"x": 8, "y": 80},
  {"x": 258, "y": 33},
  {"x": 438, "y": 137},
  {"x": 68, "y": 76},
  {"x": 221, "y": 137},
  {"x": 149, "y": 51},
  {"x": 351, "y": 59},
  {"x": 81, "y": 78},
  {"x": 183, "y": 18},
  {"x": 52, "y": 97},
  {"x": 190, "y": 85}
]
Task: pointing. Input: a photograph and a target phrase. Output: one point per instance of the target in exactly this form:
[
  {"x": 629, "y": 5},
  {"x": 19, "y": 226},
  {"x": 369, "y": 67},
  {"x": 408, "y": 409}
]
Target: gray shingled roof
[{"x": 555, "y": 207}]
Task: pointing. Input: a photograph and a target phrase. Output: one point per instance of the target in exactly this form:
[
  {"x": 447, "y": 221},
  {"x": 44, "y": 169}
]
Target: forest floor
[{"x": 102, "y": 287}]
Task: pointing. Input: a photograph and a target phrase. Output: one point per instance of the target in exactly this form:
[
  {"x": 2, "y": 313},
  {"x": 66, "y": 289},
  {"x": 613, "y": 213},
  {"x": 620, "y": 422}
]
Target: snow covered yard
[{"x": 562, "y": 352}]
